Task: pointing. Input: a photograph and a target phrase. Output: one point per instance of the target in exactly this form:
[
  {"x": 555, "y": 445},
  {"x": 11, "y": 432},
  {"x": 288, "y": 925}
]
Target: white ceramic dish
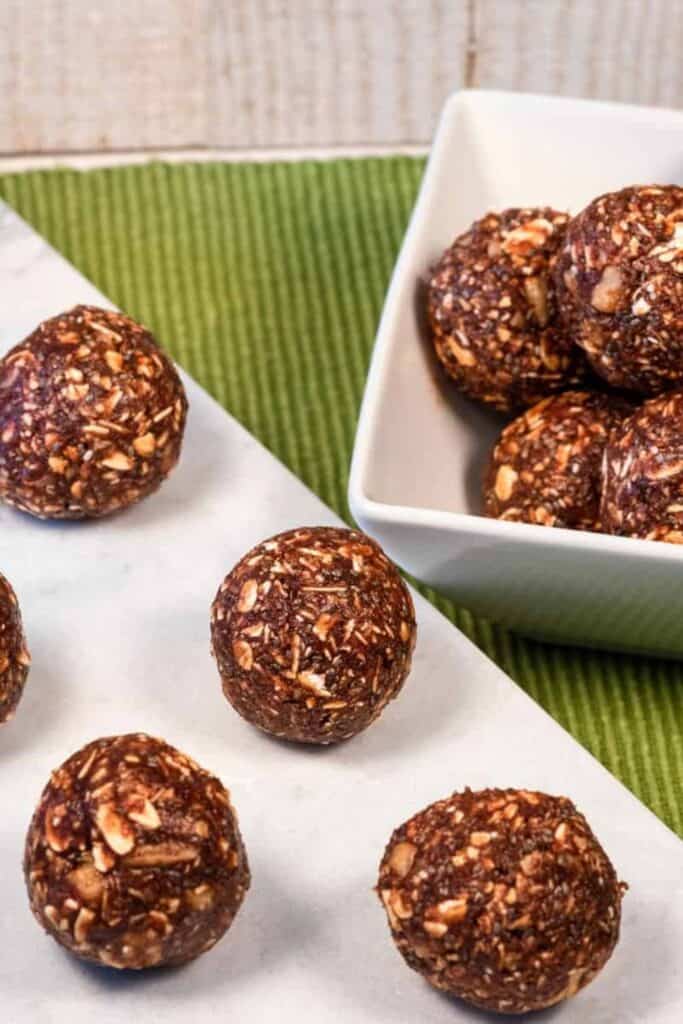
[
  {"x": 116, "y": 614},
  {"x": 420, "y": 447}
]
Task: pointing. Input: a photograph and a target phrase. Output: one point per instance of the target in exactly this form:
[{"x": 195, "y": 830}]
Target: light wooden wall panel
[
  {"x": 98, "y": 75},
  {"x": 313, "y": 72},
  {"x": 87, "y": 74},
  {"x": 627, "y": 50}
]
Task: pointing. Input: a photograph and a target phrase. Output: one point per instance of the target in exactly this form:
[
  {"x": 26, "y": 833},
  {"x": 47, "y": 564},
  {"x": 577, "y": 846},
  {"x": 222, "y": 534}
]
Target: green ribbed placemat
[{"x": 266, "y": 281}]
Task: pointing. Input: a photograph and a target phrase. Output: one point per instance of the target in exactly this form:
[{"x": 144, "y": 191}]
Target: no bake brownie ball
[
  {"x": 313, "y": 632},
  {"x": 642, "y": 473},
  {"x": 502, "y": 897},
  {"x": 92, "y": 415},
  {"x": 545, "y": 467},
  {"x": 134, "y": 857},
  {"x": 620, "y": 278},
  {"x": 14, "y": 656},
  {"x": 493, "y": 311}
]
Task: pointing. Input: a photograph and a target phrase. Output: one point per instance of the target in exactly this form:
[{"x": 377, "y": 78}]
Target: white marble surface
[{"x": 117, "y": 619}]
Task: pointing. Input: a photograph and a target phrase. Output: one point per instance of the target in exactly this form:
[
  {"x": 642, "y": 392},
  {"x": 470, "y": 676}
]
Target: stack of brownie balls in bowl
[
  {"x": 134, "y": 858},
  {"x": 575, "y": 327}
]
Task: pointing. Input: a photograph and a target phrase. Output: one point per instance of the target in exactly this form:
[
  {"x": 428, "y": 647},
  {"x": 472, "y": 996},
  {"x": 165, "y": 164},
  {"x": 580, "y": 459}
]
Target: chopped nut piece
[
  {"x": 385, "y": 896},
  {"x": 324, "y": 624},
  {"x": 437, "y": 929},
  {"x": 452, "y": 911},
  {"x": 117, "y": 460},
  {"x": 145, "y": 445},
  {"x": 146, "y": 815},
  {"x": 200, "y": 898},
  {"x": 114, "y": 360},
  {"x": 463, "y": 355},
  {"x": 607, "y": 293},
  {"x": 401, "y": 858},
  {"x": 243, "y": 654},
  {"x": 117, "y": 833},
  {"x": 536, "y": 289},
  {"x": 57, "y": 839},
  {"x": 161, "y": 855},
  {"x": 103, "y": 859},
  {"x": 530, "y": 235},
  {"x": 88, "y": 883},
  {"x": 506, "y": 477},
  {"x": 57, "y": 464},
  {"x": 531, "y": 863},
  {"x": 82, "y": 924},
  {"x": 248, "y": 596},
  {"x": 52, "y": 915},
  {"x": 314, "y": 682},
  {"x": 400, "y": 907}
]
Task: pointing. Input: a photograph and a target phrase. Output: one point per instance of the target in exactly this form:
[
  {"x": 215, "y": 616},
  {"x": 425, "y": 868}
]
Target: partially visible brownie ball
[
  {"x": 545, "y": 467},
  {"x": 642, "y": 473},
  {"x": 493, "y": 312},
  {"x": 14, "y": 657},
  {"x": 502, "y": 897},
  {"x": 134, "y": 857},
  {"x": 313, "y": 632},
  {"x": 92, "y": 414},
  {"x": 619, "y": 280}
]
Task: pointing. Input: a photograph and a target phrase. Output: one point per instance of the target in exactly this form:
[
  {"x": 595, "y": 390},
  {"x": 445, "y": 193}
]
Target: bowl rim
[{"x": 367, "y": 509}]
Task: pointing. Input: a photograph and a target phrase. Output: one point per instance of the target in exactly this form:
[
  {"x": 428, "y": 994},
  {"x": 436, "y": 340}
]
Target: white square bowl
[{"x": 420, "y": 447}]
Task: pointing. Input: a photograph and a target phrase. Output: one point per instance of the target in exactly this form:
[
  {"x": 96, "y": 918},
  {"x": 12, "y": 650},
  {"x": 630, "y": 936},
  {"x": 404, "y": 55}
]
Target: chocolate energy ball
[
  {"x": 493, "y": 312},
  {"x": 642, "y": 473},
  {"x": 545, "y": 467},
  {"x": 313, "y": 632},
  {"x": 620, "y": 280},
  {"x": 134, "y": 857},
  {"x": 502, "y": 897},
  {"x": 14, "y": 656},
  {"x": 92, "y": 415}
]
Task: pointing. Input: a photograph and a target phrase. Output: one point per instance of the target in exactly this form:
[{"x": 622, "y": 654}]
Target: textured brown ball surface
[
  {"x": 493, "y": 312},
  {"x": 504, "y": 898},
  {"x": 642, "y": 473},
  {"x": 92, "y": 414},
  {"x": 620, "y": 281},
  {"x": 134, "y": 857},
  {"x": 546, "y": 465},
  {"x": 14, "y": 656},
  {"x": 313, "y": 632}
]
